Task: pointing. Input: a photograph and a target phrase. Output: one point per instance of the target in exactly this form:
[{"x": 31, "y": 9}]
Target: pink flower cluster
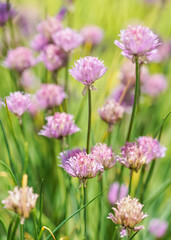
[
  {"x": 87, "y": 70},
  {"x": 104, "y": 155},
  {"x": 111, "y": 112},
  {"x": 131, "y": 156},
  {"x": 58, "y": 126},
  {"x": 18, "y": 103},
  {"x": 128, "y": 213},
  {"x": 50, "y": 95},
  {"x": 67, "y": 39},
  {"x": 20, "y": 59},
  {"x": 53, "y": 57},
  {"x": 151, "y": 148},
  {"x": 117, "y": 192},
  {"x": 138, "y": 41},
  {"x": 83, "y": 166}
]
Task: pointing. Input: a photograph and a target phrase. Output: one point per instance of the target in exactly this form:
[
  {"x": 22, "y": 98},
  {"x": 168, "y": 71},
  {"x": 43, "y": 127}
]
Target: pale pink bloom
[
  {"x": 20, "y": 59},
  {"x": 104, "y": 155},
  {"x": 29, "y": 81},
  {"x": 127, "y": 75},
  {"x": 50, "y": 95},
  {"x": 162, "y": 54},
  {"x": 111, "y": 112},
  {"x": 132, "y": 156},
  {"x": 49, "y": 26},
  {"x": 66, "y": 155},
  {"x": 58, "y": 126},
  {"x": 128, "y": 213},
  {"x": 154, "y": 85},
  {"x": 18, "y": 103},
  {"x": 123, "y": 232},
  {"x": 82, "y": 166},
  {"x": 151, "y": 148},
  {"x": 87, "y": 70},
  {"x": 21, "y": 201},
  {"x": 53, "y": 57},
  {"x": 92, "y": 34},
  {"x": 117, "y": 192},
  {"x": 138, "y": 41},
  {"x": 67, "y": 39},
  {"x": 34, "y": 107},
  {"x": 39, "y": 42},
  {"x": 158, "y": 228}
]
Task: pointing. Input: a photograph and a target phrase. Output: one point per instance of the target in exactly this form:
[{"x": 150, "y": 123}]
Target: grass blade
[{"x": 10, "y": 172}]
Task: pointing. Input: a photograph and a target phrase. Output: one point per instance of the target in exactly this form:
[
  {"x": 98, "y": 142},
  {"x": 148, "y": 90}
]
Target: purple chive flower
[
  {"x": 53, "y": 57},
  {"x": 50, "y": 95},
  {"x": 158, "y": 228},
  {"x": 21, "y": 201},
  {"x": 92, "y": 34},
  {"x": 6, "y": 13},
  {"x": 29, "y": 81},
  {"x": 138, "y": 41},
  {"x": 104, "y": 155},
  {"x": 128, "y": 99},
  {"x": 62, "y": 13},
  {"x": 117, "y": 192},
  {"x": 82, "y": 166},
  {"x": 20, "y": 59},
  {"x": 128, "y": 214},
  {"x": 58, "y": 126},
  {"x": 67, "y": 39},
  {"x": 34, "y": 107},
  {"x": 127, "y": 74},
  {"x": 49, "y": 26},
  {"x": 111, "y": 112},
  {"x": 87, "y": 70},
  {"x": 39, "y": 42},
  {"x": 18, "y": 103},
  {"x": 162, "y": 54},
  {"x": 154, "y": 85},
  {"x": 132, "y": 156},
  {"x": 66, "y": 155},
  {"x": 151, "y": 148}
]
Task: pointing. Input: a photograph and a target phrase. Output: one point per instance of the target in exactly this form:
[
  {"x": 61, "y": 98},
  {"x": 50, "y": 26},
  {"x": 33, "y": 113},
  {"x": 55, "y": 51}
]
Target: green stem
[
  {"x": 130, "y": 182},
  {"x": 140, "y": 183},
  {"x": 89, "y": 120},
  {"x": 85, "y": 213},
  {"x": 135, "y": 100},
  {"x": 21, "y": 231}
]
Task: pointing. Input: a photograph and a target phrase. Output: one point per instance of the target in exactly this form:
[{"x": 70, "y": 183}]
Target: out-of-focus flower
[
  {"x": 34, "y": 107},
  {"x": 111, "y": 112},
  {"x": 1, "y": 103},
  {"x": 50, "y": 95},
  {"x": 58, "y": 126},
  {"x": 20, "y": 59},
  {"x": 6, "y": 12},
  {"x": 162, "y": 54},
  {"x": 87, "y": 70},
  {"x": 62, "y": 13},
  {"x": 151, "y": 148},
  {"x": 39, "y": 42},
  {"x": 53, "y": 57},
  {"x": 154, "y": 85},
  {"x": 127, "y": 100},
  {"x": 138, "y": 41},
  {"x": 29, "y": 81},
  {"x": 117, "y": 192},
  {"x": 92, "y": 34},
  {"x": 104, "y": 155},
  {"x": 21, "y": 201},
  {"x": 67, "y": 39},
  {"x": 18, "y": 103},
  {"x": 49, "y": 26},
  {"x": 128, "y": 214},
  {"x": 83, "y": 166},
  {"x": 127, "y": 74},
  {"x": 132, "y": 156},
  {"x": 158, "y": 228}
]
